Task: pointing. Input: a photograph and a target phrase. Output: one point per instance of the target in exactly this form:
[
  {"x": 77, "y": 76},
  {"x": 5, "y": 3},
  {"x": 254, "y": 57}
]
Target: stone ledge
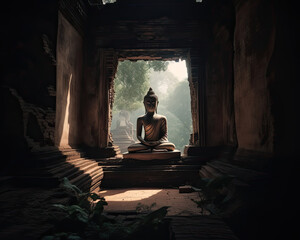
[{"x": 155, "y": 155}]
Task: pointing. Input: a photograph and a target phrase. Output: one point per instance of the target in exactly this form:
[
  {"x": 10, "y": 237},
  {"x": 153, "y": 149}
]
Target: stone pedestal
[{"x": 154, "y": 155}]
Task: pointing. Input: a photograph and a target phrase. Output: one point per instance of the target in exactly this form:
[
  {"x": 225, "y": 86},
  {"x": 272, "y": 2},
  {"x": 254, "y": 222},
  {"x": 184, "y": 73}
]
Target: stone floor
[
  {"x": 27, "y": 213},
  {"x": 128, "y": 199},
  {"x": 186, "y": 220}
]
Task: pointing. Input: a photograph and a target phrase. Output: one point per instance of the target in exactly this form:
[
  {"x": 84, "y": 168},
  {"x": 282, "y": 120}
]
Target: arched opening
[
  {"x": 178, "y": 95},
  {"x": 169, "y": 80}
]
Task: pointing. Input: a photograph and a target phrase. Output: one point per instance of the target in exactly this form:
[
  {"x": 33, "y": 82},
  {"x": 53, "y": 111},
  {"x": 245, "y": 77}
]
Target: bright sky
[{"x": 178, "y": 69}]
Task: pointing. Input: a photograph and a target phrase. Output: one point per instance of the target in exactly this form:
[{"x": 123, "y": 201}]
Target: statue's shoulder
[
  {"x": 161, "y": 117},
  {"x": 140, "y": 118}
]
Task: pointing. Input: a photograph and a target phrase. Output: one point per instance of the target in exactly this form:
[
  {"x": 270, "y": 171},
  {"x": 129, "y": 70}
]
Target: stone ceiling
[{"x": 156, "y": 30}]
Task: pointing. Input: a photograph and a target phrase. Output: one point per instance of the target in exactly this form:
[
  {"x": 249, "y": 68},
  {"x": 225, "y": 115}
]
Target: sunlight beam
[
  {"x": 64, "y": 141},
  {"x": 131, "y": 195}
]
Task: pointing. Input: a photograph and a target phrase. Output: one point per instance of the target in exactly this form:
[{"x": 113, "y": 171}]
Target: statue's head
[{"x": 151, "y": 101}]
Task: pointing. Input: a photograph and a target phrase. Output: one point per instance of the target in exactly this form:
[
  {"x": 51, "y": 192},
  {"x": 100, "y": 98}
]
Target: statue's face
[{"x": 150, "y": 104}]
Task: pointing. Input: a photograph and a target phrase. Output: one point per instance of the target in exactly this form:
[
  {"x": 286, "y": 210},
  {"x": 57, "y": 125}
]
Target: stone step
[
  {"x": 70, "y": 168},
  {"x": 94, "y": 184},
  {"x": 47, "y": 160},
  {"x": 85, "y": 174},
  {"x": 245, "y": 175},
  {"x": 204, "y": 173},
  {"x": 63, "y": 161},
  {"x": 200, "y": 227},
  {"x": 149, "y": 167},
  {"x": 67, "y": 163},
  {"x": 86, "y": 178},
  {"x": 53, "y": 151},
  {"x": 58, "y": 163},
  {"x": 209, "y": 172},
  {"x": 149, "y": 177},
  {"x": 131, "y": 162},
  {"x": 213, "y": 170},
  {"x": 78, "y": 170}
]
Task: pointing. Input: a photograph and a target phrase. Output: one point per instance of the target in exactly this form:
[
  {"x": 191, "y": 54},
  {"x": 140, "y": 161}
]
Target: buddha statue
[{"x": 155, "y": 128}]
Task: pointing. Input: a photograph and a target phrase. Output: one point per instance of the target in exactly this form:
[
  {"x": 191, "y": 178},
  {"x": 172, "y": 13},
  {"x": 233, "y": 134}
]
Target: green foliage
[
  {"x": 132, "y": 83},
  {"x": 177, "y": 132},
  {"x": 70, "y": 187},
  {"x": 176, "y": 107},
  {"x": 158, "y": 65},
  {"x": 74, "y": 212},
  {"x": 177, "y": 103},
  {"x": 163, "y": 83},
  {"x": 86, "y": 220},
  {"x": 214, "y": 193}
]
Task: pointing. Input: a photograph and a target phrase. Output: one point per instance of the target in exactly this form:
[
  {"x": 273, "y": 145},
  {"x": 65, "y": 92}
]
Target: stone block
[
  {"x": 186, "y": 189},
  {"x": 154, "y": 155}
]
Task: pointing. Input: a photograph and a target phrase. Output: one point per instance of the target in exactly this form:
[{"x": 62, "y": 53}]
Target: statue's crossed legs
[{"x": 136, "y": 147}]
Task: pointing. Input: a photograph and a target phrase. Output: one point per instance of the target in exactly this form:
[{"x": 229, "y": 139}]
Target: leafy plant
[
  {"x": 213, "y": 193},
  {"x": 85, "y": 219}
]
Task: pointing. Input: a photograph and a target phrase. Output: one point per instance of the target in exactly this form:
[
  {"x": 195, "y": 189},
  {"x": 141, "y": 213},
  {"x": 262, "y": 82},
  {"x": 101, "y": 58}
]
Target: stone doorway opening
[{"x": 169, "y": 80}]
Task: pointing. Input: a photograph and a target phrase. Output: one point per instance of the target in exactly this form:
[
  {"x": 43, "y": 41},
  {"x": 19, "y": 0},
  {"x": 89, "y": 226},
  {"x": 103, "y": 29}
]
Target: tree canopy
[
  {"x": 132, "y": 83},
  {"x": 177, "y": 103}
]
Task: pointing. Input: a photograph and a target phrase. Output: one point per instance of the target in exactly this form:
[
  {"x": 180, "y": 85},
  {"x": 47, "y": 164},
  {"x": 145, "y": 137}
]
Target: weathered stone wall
[
  {"x": 250, "y": 79},
  {"x": 254, "y": 40},
  {"x": 97, "y": 96},
  {"x": 39, "y": 123},
  {"x": 13, "y": 146},
  {"x": 28, "y": 50},
  {"x": 68, "y": 82},
  {"x": 283, "y": 76},
  {"x": 219, "y": 80},
  {"x": 89, "y": 131},
  {"x": 27, "y": 55}
]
